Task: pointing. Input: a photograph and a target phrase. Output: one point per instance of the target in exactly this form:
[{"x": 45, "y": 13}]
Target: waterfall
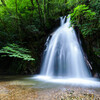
[{"x": 63, "y": 59}]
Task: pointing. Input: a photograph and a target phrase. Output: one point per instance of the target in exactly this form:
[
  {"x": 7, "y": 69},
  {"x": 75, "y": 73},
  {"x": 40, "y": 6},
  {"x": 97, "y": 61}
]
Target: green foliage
[
  {"x": 86, "y": 29},
  {"x": 14, "y": 50},
  {"x": 97, "y": 51},
  {"x": 56, "y": 7},
  {"x": 32, "y": 28},
  {"x": 74, "y": 3},
  {"x": 82, "y": 17},
  {"x": 80, "y": 12},
  {"x": 95, "y": 6}
]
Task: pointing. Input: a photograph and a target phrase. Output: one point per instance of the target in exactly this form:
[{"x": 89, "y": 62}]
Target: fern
[{"x": 14, "y": 50}]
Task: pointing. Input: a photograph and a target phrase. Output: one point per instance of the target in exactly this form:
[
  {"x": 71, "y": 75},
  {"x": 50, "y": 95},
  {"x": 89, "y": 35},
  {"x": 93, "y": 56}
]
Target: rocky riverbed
[{"x": 19, "y": 90}]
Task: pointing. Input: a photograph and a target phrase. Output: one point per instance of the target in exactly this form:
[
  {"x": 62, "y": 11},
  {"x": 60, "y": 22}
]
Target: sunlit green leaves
[
  {"x": 82, "y": 17},
  {"x": 82, "y": 11},
  {"x": 14, "y": 50}
]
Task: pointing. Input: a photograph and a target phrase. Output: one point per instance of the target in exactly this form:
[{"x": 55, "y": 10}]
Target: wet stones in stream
[{"x": 27, "y": 92}]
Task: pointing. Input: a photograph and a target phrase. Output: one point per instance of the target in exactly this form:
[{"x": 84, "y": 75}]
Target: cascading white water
[{"x": 63, "y": 57}]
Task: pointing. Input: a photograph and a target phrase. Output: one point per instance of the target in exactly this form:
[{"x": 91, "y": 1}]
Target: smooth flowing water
[{"x": 63, "y": 57}]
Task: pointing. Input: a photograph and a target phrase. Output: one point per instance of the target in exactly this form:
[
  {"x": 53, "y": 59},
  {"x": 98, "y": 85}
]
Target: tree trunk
[
  {"x": 39, "y": 10},
  {"x": 16, "y": 6},
  {"x": 65, "y": 1},
  {"x": 32, "y": 4},
  {"x": 48, "y": 6},
  {"x": 44, "y": 11}
]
